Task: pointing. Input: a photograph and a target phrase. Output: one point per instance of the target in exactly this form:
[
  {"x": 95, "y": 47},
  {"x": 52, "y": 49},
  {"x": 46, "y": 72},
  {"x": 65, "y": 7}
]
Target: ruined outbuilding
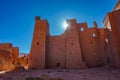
[
  {"x": 8, "y": 56},
  {"x": 23, "y": 61}
]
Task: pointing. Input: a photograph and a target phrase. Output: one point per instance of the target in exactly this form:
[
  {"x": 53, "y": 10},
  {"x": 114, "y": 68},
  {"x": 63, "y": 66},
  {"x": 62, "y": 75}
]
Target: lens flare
[{"x": 65, "y": 25}]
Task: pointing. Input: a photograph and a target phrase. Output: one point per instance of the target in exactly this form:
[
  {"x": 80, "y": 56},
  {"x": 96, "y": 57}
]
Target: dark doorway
[
  {"x": 58, "y": 64},
  {"x": 108, "y": 59}
]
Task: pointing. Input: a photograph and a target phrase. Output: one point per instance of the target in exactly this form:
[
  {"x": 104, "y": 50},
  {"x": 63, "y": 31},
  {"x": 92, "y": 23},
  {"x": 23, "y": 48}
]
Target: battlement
[
  {"x": 71, "y": 21},
  {"x": 6, "y": 44},
  {"x": 37, "y": 18},
  {"x": 41, "y": 21}
]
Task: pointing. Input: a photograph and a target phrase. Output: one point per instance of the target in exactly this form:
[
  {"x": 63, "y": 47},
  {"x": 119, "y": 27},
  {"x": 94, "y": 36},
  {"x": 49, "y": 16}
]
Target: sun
[{"x": 65, "y": 25}]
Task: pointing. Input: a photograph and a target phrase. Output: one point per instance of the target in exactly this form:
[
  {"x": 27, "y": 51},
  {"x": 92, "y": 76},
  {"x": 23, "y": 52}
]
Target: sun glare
[{"x": 65, "y": 25}]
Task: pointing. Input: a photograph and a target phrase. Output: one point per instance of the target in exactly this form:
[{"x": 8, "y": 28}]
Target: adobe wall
[
  {"x": 15, "y": 53},
  {"x": 78, "y": 47},
  {"x": 114, "y": 18},
  {"x": 57, "y": 56},
  {"x": 90, "y": 41},
  {"x": 23, "y": 61},
  {"x": 8, "y": 56},
  {"x": 103, "y": 59},
  {"x": 38, "y": 48},
  {"x": 6, "y": 46},
  {"x": 112, "y": 56},
  {"x": 73, "y": 49},
  {"x": 6, "y": 61},
  {"x": 112, "y": 31}
]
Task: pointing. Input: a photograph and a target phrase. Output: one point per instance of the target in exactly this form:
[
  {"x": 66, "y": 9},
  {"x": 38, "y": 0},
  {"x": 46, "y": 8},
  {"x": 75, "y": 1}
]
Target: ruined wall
[
  {"x": 8, "y": 56},
  {"x": 15, "y": 53},
  {"x": 13, "y": 50},
  {"x": 6, "y": 61},
  {"x": 112, "y": 32},
  {"x": 6, "y": 47},
  {"x": 114, "y": 18},
  {"x": 23, "y": 61},
  {"x": 57, "y": 56},
  {"x": 90, "y": 41},
  {"x": 112, "y": 56},
  {"x": 113, "y": 36},
  {"x": 78, "y": 47}
]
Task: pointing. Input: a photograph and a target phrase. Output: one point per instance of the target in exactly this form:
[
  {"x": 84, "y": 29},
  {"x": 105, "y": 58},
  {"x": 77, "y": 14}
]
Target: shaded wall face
[
  {"x": 56, "y": 52},
  {"x": 114, "y": 18},
  {"x": 115, "y": 26},
  {"x": 111, "y": 51},
  {"x": 103, "y": 58},
  {"x": 15, "y": 53},
  {"x": 90, "y": 42}
]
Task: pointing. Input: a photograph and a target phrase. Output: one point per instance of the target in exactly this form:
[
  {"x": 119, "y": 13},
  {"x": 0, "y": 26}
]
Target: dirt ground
[{"x": 65, "y": 74}]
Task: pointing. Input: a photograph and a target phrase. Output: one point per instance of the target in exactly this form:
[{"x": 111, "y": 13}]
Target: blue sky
[{"x": 17, "y": 17}]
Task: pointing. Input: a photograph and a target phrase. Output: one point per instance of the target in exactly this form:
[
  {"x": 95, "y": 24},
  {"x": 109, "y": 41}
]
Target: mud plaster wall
[{"x": 56, "y": 52}]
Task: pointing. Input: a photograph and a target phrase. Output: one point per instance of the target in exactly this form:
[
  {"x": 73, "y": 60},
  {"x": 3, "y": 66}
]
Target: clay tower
[
  {"x": 73, "y": 48},
  {"x": 38, "y": 53}
]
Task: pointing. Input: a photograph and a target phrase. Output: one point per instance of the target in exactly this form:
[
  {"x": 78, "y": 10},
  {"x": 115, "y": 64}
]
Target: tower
[
  {"x": 38, "y": 52},
  {"x": 73, "y": 48}
]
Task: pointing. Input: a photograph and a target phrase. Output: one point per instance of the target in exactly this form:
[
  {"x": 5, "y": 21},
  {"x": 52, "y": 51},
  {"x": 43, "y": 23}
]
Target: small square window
[
  {"x": 72, "y": 44},
  {"x": 37, "y": 43},
  {"x": 93, "y": 35},
  {"x": 81, "y": 29}
]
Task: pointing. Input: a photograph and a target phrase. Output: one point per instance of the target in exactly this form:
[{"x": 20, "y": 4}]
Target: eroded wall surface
[
  {"x": 8, "y": 56},
  {"x": 112, "y": 32},
  {"x": 57, "y": 52}
]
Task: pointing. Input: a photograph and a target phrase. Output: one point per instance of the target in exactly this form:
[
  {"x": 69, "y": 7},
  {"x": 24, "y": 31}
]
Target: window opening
[
  {"x": 81, "y": 29},
  {"x": 93, "y": 35}
]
